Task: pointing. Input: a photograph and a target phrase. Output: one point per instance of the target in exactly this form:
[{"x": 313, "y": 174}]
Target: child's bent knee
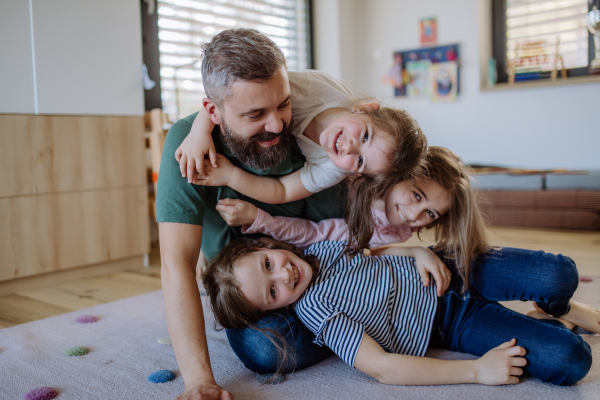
[{"x": 571, "y": 361}]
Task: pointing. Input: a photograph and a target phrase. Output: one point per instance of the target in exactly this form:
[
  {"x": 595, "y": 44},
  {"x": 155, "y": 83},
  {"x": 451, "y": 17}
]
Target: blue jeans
[
  {"x": 258, "y": 353},
  {"x": 472, "y": 323},
  {"x": 475, "y": 323}
]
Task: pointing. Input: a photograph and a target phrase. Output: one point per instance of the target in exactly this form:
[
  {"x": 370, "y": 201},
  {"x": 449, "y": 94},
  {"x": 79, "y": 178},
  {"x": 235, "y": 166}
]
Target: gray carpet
[{"x": 124, "y": 351}]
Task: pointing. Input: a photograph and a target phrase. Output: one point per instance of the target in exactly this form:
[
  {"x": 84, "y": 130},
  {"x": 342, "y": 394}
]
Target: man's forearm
[
  {"x": 185, "y": 320},
  {"x": 180, "y": 247}
]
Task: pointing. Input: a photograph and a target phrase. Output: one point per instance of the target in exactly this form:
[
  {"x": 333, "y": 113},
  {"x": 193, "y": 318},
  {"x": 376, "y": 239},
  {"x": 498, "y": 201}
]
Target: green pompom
[
  {"x": 165, "y": 340},
  {"x": 76, "y": 351}
]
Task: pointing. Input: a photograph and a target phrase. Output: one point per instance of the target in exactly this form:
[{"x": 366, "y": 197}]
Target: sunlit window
[
  {"x": 185, "y": 24},
  {"x": 541, "y": 32}
]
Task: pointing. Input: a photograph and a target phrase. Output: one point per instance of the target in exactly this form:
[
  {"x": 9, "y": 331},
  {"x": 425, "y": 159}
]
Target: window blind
[
  {"x": 183, "y": 25},
  {"x": 534, "y": 28}
]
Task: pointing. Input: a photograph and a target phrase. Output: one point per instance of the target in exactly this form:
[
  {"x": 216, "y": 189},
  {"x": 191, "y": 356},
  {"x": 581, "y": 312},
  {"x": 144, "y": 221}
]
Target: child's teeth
[
  {"x": 337, "y": 143},
  {"x": 402, "y": 216}
]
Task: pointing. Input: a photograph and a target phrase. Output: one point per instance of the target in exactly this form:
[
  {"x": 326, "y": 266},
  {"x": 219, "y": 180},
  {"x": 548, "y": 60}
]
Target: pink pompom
[
  {"x": 41, "y": 393},
  {"x": 86, "y": 319}
]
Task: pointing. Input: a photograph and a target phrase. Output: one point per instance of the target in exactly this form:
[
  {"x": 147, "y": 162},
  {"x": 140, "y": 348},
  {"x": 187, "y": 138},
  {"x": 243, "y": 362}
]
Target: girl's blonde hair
[
  {"x": 230, "y": 307},
  {"x": 460, "y": 234},
  {"x": 409, "y": 146}
]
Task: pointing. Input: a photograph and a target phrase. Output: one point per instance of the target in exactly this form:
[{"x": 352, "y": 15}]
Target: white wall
[
  {"x": 551, "y": 127},
  {"x": 71, "y": 57},
  {"x": 16, "y": 67}
]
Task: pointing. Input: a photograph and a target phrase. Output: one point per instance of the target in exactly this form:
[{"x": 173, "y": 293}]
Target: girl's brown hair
[
  {"x": 409, "y": 147},
  {"x": 460, "y": 234},
  {"x": 230, "y": 307},
  {"x": 406, "y": 161}
]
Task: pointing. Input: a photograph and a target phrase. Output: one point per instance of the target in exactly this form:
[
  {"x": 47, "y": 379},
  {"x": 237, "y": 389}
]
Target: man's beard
[{"x": 251, "y": 153}]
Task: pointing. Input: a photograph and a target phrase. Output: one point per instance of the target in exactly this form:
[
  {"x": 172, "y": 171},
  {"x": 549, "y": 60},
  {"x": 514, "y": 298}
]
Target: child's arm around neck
[
  {"x": 268, "y": 190},
  {"x": 190, "y": 154}
]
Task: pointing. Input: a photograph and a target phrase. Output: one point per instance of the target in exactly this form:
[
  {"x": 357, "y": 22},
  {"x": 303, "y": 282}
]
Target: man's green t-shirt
[{"x": 186, "y": 203}]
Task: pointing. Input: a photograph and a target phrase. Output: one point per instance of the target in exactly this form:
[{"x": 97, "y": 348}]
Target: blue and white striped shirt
[{"x": 380, "y": 296}]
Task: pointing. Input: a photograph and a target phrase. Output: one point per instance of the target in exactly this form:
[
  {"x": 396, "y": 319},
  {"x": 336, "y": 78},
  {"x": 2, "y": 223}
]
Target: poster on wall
[
  {"x": 444, "y": 81},
  {"x": 428, "y": 31},
  {"x": 419, "y": 81},
  {"x": 411, "y": 67}
]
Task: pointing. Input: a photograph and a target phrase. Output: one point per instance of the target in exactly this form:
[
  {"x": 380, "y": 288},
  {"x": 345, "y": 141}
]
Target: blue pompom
[{"x": 162, "y": 376}]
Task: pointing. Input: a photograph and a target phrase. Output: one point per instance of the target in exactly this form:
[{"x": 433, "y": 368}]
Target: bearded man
[{"x": 246, "y": 82}]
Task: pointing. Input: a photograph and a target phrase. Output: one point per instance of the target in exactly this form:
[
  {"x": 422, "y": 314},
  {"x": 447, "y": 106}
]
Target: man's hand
[
  {"x": 429, "y": 263},
  {"x": 237, "y": 212},
  {"x": 205, "y": 391},
  {"x": 219, "y": 176}
]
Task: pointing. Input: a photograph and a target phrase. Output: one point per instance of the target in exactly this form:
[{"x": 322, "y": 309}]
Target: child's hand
[
  {"x": 428, "y": 263},
  {"x": 237, "y": 212},
  {"x": 501, "y": 365},
  {"x": 215, "y": 176},
  {"x": 190, "y": 155}
]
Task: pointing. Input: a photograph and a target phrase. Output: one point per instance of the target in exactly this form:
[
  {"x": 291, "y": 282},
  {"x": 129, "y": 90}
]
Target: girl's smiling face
[
  {"x": 271, "y": 279},
  {"x": 416, "y": 204},
  {"x": 354, "y": 144}
]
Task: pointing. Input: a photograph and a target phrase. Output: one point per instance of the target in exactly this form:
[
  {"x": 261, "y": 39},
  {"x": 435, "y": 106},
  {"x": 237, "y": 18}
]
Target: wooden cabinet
[
  {"x": 73, "y": 192},
  {"x": 73, "y": 188},
  {"x": 49, "y": 154}
]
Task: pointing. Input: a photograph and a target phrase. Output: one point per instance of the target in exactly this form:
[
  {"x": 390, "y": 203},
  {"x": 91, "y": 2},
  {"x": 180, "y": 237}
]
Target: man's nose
[{"x": 274, "y": 123}]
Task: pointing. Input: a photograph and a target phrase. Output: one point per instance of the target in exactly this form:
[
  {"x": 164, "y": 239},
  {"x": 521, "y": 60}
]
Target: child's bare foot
[
  {"x": 539, "y": 314},
  {"x": 583, "y": 315}
]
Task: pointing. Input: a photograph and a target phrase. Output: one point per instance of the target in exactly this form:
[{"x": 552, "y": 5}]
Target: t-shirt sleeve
[
  {"x": 342, "y": 335},
  {"x": 176, "y": 199},
  {"x": 316, "y": 176},
  {"x": 297, "y": 231}
]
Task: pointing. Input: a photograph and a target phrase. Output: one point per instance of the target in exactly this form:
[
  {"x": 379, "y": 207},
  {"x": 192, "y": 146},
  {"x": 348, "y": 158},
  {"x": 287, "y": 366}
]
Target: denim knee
[
  {"x": 571, "y": 361},
  {"x": 559, "y": 282},
  {"x": 260, "y": 354},
  {"x": 561, "y": 276},
  {"x": 254, "y": 349}
]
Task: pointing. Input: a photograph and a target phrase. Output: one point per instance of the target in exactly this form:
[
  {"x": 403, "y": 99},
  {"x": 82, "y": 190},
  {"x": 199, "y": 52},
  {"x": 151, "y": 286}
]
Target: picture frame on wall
[{"x": 431, "y": 71}]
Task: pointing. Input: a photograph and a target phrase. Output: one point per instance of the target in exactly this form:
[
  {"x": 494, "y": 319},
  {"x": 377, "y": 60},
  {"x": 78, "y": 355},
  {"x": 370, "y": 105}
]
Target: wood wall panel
[
  {"x": 50, "y": 154},
  {"x": 54, "y": 232}
]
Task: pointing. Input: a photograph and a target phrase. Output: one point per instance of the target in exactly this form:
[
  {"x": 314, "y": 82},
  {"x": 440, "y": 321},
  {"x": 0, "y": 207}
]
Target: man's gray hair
[{"x": 234, "y": 55}]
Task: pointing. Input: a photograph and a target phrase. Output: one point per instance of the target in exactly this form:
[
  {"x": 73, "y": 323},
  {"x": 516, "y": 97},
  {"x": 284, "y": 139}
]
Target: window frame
[
  {"x": 151, "y": 51},
  {"x": 499, "y": 44}
]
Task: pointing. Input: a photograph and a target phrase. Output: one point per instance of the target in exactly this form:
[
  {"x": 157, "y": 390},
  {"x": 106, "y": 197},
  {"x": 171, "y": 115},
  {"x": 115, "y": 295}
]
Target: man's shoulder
[{"x": 181, "y": 128}]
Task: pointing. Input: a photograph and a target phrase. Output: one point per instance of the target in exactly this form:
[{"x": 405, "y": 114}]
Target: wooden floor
[{"x": 49, "y": 300}]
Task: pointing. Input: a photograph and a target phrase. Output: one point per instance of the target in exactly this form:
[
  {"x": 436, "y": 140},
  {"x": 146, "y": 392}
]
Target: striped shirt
[{"x": 380, "y": 296}]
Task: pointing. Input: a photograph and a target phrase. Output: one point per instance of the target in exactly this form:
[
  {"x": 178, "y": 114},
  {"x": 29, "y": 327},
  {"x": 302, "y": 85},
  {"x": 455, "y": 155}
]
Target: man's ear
[
  {"x": 211, "y": 110},
  {"x": 374, "y": 106}
]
